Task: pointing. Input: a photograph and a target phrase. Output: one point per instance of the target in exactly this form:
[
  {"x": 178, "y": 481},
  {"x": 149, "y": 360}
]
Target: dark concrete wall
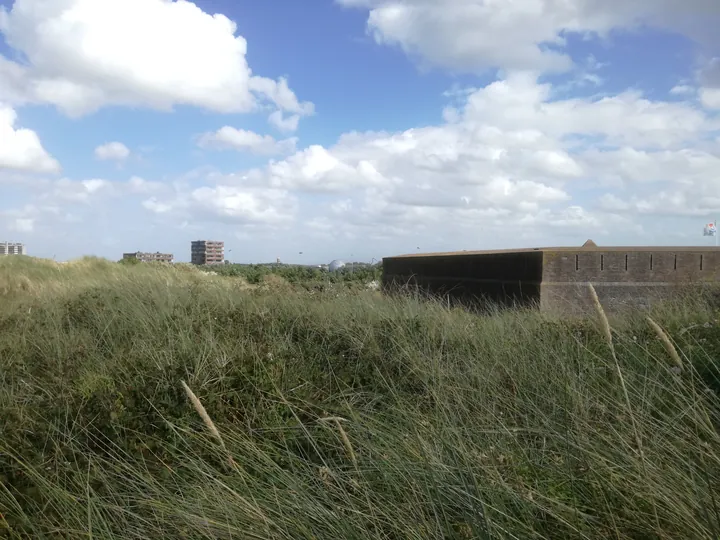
[
  {"x": 503, "y": 278},
  {"x": 556, "y": 280},
  {"x": 622, "y": 279}
]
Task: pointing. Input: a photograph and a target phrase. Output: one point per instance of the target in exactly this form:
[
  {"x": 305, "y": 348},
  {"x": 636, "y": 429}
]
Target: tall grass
[{"x": 152, "y": 402}]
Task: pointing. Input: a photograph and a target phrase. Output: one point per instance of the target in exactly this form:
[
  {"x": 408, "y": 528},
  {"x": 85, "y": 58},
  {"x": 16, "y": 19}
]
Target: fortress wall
[
  {"x": 622, "y": 278},
  {"x": 511, "y": 278},
  {"x": 556, "y": 279}
]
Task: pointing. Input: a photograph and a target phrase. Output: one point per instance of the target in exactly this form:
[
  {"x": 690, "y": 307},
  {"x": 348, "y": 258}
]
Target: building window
[{"x": 602, "y": 262}]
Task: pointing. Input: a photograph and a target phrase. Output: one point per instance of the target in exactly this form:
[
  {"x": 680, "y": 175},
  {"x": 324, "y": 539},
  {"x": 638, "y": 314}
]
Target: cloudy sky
[{"x": 356, "y": 128}]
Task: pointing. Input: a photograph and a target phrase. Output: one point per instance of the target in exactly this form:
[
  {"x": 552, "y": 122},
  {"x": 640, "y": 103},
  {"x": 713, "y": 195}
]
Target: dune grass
[{"x": 159, "y": 402}]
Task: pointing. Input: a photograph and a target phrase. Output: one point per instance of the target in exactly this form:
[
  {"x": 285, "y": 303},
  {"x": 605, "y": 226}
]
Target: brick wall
[{"x": 622, "y": 279}]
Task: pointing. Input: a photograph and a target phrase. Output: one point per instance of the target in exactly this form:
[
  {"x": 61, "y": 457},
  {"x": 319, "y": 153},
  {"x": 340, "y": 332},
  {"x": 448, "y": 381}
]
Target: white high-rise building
[{"x": 10, "y": 248}]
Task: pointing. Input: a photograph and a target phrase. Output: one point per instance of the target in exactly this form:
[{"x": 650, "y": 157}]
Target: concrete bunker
[{"x": 556, "y": 278}]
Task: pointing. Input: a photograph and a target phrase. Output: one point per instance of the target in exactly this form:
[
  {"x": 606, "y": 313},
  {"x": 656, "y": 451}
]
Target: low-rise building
[
  {"x": 10, "y": 248},
  {"x": 150, "y": 257}
]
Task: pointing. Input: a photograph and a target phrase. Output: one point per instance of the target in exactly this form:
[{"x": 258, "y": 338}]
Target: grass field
[{"x": 158, "y": 402}]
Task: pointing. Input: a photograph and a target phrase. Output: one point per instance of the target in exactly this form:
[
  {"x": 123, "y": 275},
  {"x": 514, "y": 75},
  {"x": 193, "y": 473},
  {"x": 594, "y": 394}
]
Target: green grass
[{"x": 450, "y": 425}]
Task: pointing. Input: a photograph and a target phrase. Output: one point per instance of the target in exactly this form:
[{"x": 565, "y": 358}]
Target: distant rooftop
[{"x": 587, "y": 246}]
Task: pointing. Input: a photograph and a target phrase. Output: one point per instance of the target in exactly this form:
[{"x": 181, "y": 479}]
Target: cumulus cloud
[
  {"x": 20, "y": 149},
  {"x": 710, "y": 97},
  {"x": 509, "y": 156},
  {"x": 82, "y": 55},
  {"x": 630, "y": 166},
  {"x": 473, "y": 35},
  {"x": 137, "y": 185},
  {"x": 283, "y": 124},
  {"x": 231, "y": 204},
  {"x": 96, "y": 190},
  {"x": 239, "y": 139},
  {"x": 503, "y": 137},
  {"x": 509, "y": 153},
  {"x": 696, "y": 197},
  {"x": 112, "y": 151},
  {"x": 83, "y": 191},
  {"x": 682, "y": 90}
]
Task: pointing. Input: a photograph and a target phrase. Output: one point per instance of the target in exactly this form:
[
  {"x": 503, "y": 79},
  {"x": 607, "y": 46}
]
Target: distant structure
[
  {"x": 207, "y": 252},
  {"x": 336, "y": 265},
  {"x": 150, "y": 257},
  {"x": 10, "y": 248},
  {"x": 556, "y": 279}
]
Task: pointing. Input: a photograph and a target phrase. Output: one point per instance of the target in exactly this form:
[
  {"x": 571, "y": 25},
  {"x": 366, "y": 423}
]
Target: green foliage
[
  {"x": 452, "y": 425},
  {"x": 254, "y": 273}
]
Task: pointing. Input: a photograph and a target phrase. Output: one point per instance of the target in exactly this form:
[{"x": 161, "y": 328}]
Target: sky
[{"x": 356, "y": 129}]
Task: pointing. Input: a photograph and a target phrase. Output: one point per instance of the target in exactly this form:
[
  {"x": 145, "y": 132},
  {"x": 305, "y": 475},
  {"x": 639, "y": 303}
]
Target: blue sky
[{"x": 355, "y": 128}]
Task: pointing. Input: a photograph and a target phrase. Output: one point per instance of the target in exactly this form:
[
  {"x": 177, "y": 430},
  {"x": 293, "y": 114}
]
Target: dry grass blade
[
  {"x": 604, "y": 323},
  {"x": 343, "y": 436},
  {"x": 608, "y": 337},
  {"x": 607, "y": 331},
  {"x": 208, "y": 421},
  {"x": 669, "y": 347}
]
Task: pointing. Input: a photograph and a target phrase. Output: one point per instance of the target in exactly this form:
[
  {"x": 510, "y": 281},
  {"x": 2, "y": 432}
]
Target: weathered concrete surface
[
  {"x": 506, "y": 278},
  {"x": 555, "y": 279}
]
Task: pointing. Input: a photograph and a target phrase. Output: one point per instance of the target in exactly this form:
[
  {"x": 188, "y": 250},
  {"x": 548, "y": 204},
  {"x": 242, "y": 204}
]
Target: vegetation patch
[{"x": 155, "y": 401}]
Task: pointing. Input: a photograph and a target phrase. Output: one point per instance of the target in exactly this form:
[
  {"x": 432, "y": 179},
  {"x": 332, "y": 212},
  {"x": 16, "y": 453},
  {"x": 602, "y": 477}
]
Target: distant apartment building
[
  {"x": 10, "y": 248},
  {"x": 150, "y": 257},
  {"x": 207, "y": 252}
]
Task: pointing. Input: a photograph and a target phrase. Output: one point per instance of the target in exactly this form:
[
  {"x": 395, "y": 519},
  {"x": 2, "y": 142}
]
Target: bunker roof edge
[{"x": 566, "y": 249}]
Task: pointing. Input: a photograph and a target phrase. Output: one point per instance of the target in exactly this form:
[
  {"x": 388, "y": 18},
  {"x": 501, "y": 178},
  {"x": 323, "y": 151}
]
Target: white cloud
[
  {"x": 86, "y": 54},
  {"x": 509, "y": 144},
  {"x": 154, "y": 205},
  {"x": 626, "y": 118},
  {"x": 113, "y": 151},
  {"x": 710, "y": 97},
  {"x": 682, "y": 90},
  {"x": 695, "y": 201},
  {"x": 20, "y": 149},
  {"x": 509, "y": 153},
  {"x": 632, "y": 166},
  {"x": 24, "y": 225},
  {"x": 709, "y": 81},
  {"x": 97, "y": 190},
  {"x": 270, "y": 206},
  {"x": 83, "y": 191},
  {"x": 233, "y": 204},
  {"x": 239, "y": 139},
  {"x": 709, "y": 73},
  {"x": 510, "y": 165},
  {"x": 473, "y": 35},
  {"x": 613, "y": 203},
  {"x": 317, "y": 169},
  {"x": 283, "y": 124},
  {"x": 137, "y": 185}
]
